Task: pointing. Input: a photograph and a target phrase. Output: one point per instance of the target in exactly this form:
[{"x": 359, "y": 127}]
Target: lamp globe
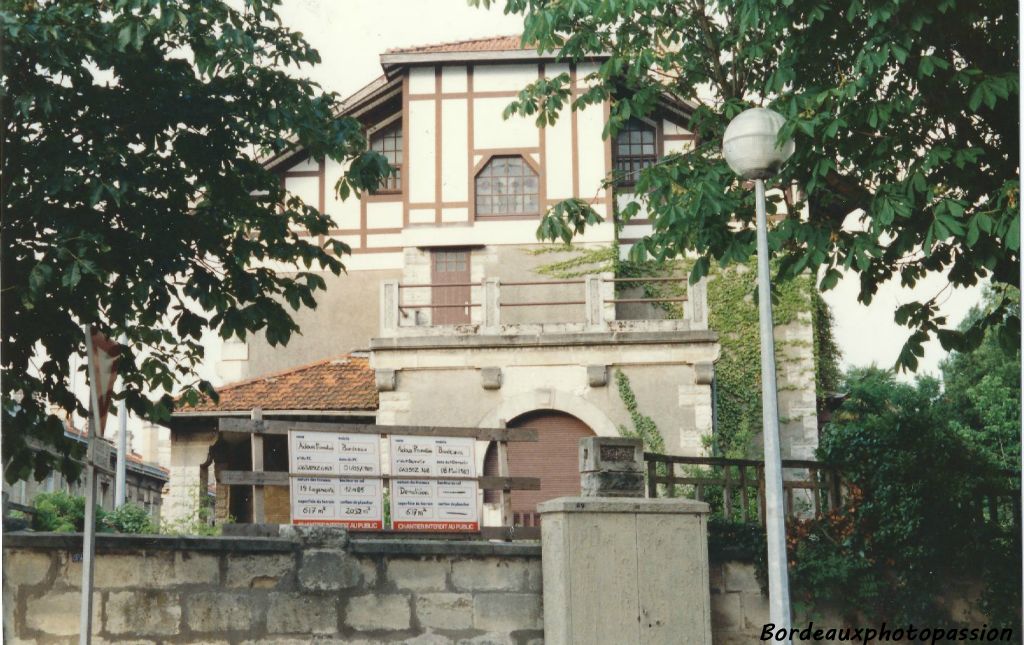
[{"x": 749, "y": 144}]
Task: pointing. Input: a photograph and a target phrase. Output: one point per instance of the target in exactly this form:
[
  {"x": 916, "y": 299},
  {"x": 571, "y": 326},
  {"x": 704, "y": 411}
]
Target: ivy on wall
[
  {"x": 733, "y": 313},
  {"x": 644, "y": 427}
]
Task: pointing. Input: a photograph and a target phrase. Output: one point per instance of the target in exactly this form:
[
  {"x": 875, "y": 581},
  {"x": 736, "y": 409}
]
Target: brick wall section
[{"x": 272, "y": 590}]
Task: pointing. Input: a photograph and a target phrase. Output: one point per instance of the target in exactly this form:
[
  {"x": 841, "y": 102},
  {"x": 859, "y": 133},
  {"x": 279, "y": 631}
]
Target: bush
[
  {"x": 130, "y": 518},
  {"x": 910, "y": 530},
  {"x": 62, "y": 512}
]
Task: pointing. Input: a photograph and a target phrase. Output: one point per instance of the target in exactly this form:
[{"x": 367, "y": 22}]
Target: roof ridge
[
  {"x": 395, "y": 50},
  {"x": 286, "y": 371}
]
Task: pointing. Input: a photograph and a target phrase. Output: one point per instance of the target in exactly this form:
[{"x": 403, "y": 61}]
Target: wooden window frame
[
  {"x": 629, "y": 180},
  {"x": 529, "y": 163},
  {"x": 391, "y": 128}
]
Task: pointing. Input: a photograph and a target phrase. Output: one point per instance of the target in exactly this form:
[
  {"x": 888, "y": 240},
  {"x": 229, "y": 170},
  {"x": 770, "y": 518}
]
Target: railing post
[
  {"x": 490, "y": 307},
  {"x": 697, "y": 298},
  {"x": 389, "y": 304},
  {"x": 595, "y": 301}
]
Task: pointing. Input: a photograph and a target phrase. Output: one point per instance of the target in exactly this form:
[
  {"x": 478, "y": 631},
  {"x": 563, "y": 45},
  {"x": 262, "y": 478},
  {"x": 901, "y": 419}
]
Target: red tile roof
[
  {"x": 492, "y": 44},
  {"x": 343, "y": 383}
]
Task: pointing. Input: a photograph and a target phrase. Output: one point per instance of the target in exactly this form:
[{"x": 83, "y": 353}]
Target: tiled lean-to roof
[
  {"x": 492, "y": 44},
  {"x": 343, "y": 383}
]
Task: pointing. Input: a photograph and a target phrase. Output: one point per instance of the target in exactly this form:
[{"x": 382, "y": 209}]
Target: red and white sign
[
  {"x": 433, "y": 504},
  {"x": 355, "y": 501},
  {"x": 104, "y": 360}
]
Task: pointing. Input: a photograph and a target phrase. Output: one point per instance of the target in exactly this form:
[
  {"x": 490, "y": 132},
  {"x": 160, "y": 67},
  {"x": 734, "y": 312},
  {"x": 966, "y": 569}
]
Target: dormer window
[
  {"x": 635, "y": 149},
  {"x": 388, "y": 142},
  {"x": 507, "y": 186}
]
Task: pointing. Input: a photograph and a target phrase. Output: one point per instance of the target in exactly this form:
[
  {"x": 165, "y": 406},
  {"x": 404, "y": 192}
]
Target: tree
[
  {"x": 904, "y": 116},
  {"x": 134, "y": 198},
  {"x": 984, "y": 389},
  {"x": 912, "y": 524}
]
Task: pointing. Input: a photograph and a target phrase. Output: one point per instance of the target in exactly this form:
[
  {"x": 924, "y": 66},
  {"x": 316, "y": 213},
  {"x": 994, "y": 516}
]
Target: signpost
[
  {"x": 336, "y": 478},
  {"x": 432, "y": 503},
  {"x": 354, "y": 500}
]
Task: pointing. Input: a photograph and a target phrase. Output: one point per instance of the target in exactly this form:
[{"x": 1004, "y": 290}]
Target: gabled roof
[
  {"x": 491, "y": 49},
  {"x": 341, "y": 384},
  {"x": 492, "y": 44}
]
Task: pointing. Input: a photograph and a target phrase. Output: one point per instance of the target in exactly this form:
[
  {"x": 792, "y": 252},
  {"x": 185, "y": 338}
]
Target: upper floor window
[
  {"x": 635, "y": 149},
  {"x": 388, "y": 142},
  {"x": 507, "y": 186}
]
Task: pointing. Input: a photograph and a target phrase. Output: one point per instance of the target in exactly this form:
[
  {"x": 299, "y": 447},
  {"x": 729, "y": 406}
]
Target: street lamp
[{"x": 751, "y": 150}]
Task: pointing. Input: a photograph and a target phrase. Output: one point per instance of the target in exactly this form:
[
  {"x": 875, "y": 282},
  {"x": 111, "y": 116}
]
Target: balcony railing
[{"x": 491, "y": 306}]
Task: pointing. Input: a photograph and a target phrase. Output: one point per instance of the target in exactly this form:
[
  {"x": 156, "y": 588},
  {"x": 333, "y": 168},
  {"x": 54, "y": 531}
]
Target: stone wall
[
  {"x": 738, "y": 608},
  {"x": 273, "y": 590},
  {"x": 276, "y": 590}
]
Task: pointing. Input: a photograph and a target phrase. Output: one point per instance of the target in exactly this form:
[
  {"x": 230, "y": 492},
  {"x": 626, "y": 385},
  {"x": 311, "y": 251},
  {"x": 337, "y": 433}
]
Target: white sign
[
  {"x": 355, "y": 501},
  {"x": 433, "y": 504}
]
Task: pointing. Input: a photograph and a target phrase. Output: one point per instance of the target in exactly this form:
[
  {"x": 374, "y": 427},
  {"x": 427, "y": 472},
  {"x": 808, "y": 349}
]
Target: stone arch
[{"x": 547, "y": 399}]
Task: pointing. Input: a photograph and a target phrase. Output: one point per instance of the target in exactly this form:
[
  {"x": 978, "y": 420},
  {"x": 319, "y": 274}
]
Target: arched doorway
[{"x": 553, "y": 458}]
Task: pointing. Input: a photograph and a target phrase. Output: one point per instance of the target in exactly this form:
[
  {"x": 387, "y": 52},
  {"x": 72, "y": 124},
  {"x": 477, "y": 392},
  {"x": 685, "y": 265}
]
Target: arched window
[
  {"x": 507, "y": 186},
  {"x": 388, "y": 142},
  {"x": 635, "y": 149}
]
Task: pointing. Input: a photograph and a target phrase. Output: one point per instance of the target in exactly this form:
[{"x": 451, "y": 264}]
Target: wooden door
[
  {"x": 554, "y": 458},
  {"x": 450, "y": 266}
]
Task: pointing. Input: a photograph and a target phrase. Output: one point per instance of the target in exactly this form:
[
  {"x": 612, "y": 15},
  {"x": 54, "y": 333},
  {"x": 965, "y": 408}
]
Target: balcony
[{"x": 600, "y": 303}]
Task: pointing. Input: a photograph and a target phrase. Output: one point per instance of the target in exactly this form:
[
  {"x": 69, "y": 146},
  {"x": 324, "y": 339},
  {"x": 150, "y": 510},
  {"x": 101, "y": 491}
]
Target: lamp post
[{"x": 751, "y": 150}]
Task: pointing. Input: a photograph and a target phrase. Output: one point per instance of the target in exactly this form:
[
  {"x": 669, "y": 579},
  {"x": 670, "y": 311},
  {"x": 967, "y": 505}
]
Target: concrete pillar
[
  {"x": 491, "y": 306},
  {"x": 594, "y": 302},
  {"x": 697, "y": 299},
  {"x": 623, "y": 569},
  {"x": 190, "y": 455},
  {"x": 389, "y": 303}
]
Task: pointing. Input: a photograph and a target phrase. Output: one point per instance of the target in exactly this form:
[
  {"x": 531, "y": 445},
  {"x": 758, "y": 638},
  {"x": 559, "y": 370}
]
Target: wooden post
[
  {"x": 815, "y": 490},
  {"x": 760, "y": 494},
  {"x": 652, "y": 473},
  {"x": 727, "y": 492},
  {"x": 259, "y": 515},
  {"x": 503, "y": 471},
  {"x": 744, "y": 499}
]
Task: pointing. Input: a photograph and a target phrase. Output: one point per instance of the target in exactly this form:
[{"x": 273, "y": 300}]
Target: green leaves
[
  {"x": 132, "y": 200},
  {"x": 903, "y": 114},
  {"x": 567, "y": 219}
]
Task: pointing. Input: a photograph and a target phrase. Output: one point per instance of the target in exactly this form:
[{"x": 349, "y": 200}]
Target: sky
[{"x": 351, "y": 34}]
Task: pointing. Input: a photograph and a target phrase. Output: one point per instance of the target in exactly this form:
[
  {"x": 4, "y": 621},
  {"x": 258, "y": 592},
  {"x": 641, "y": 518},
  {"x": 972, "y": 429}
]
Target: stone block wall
[
  {"x": 273, "y": 590},
  {"x": 738, "y": 608}
]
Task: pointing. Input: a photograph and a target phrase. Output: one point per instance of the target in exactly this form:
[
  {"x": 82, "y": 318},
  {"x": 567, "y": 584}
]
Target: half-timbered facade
[{"x": 448, "y": 289}]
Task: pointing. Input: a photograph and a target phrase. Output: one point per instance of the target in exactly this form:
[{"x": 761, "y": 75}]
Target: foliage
[
  {"x": 60, "y": 512},
  {"x": 200, "y": 521},
  {"x": 911, "y": 524},
  {"x": 130, "y": 518},
  {"x": 644, "y": 427},
  {"x": 733, "y": 313},
  {"x": 584, "y": 261},
  {"x": 906, "y": 135},
  {"x": 135, "y": 201},
  {"x": 743, "y": 541},
  {"x": 984, "y": 389}
]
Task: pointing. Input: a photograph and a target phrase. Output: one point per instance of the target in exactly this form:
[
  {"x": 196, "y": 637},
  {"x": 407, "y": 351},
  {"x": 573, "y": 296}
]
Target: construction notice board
[
  {"x": 354, "y": 500},
  {"x": 437, "y": 503}
]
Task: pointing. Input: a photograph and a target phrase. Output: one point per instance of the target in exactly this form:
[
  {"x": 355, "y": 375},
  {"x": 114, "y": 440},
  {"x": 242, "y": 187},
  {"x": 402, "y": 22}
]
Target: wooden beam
[
  {"x": 246, "y": 478},
  {"x": 259, "y": 515},
  {"x": 281, "y": 427}
]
